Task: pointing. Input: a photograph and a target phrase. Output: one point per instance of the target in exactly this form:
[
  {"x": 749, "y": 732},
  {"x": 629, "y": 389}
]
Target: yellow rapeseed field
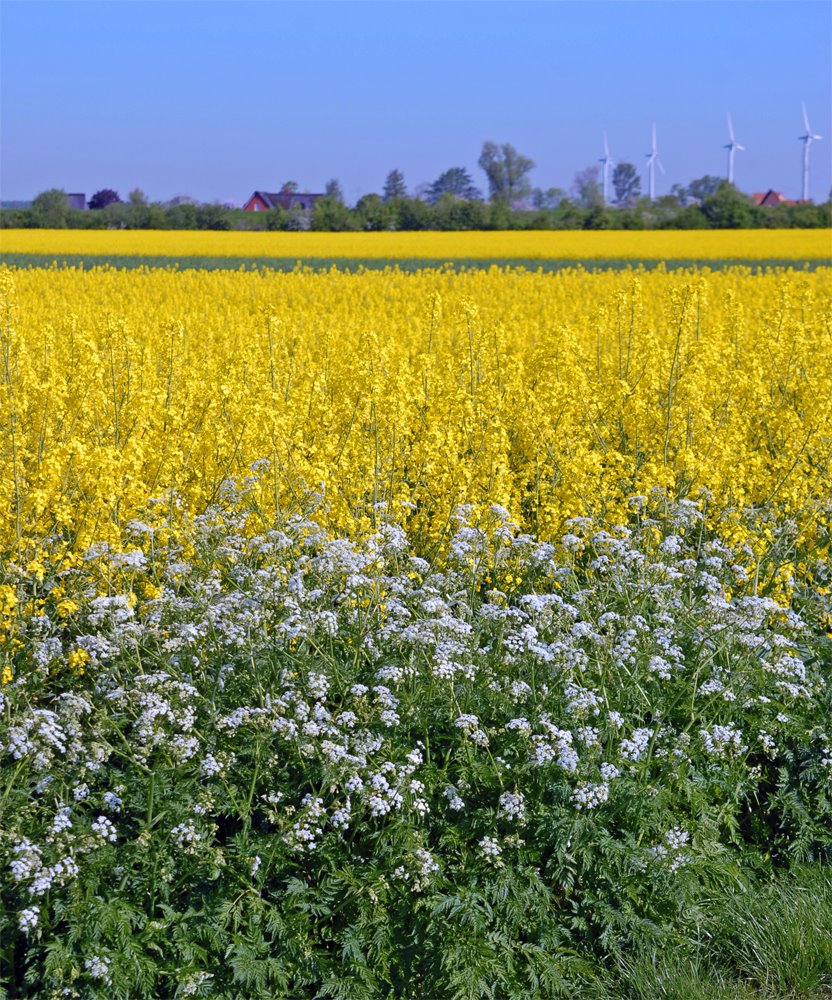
[
  {"x": 754, "y": 244},
  {"x": 553, "y": 395}
]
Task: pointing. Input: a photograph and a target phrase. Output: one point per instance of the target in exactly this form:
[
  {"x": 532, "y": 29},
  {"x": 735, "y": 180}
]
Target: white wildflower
[
  {"x": 513, "y": 807},
  {"x": 99, "y": 968},
  {"x": 104, "y": 828},
  {"x": 27, "y": 919},
  {"x": 491, "y": 850}
]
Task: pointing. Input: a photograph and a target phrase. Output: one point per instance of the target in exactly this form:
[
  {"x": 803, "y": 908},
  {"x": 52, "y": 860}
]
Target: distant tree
[
  {"x": 182, "y": 199},
  {"x": 50, "y": 209},
  {"x": 298, "y": 219},
  {"x": 182, "y": 215},
  {"x": 452, "y": 213},
  {"x": 116, "y": 215},
  {"x": 373, "y": 213},
  {"x": 626, "y": 183},
  {"x": 333, "y": 191},
  {"x": 276, "y": 218},
  {"x": 587, "y": 188},
  {"x": 689, "y": 217},
  {"x": 599, "y": 217},
  {"x": 457, "y": 183},
  {"x": 548, "y": 199},
  {"x": 141, "y": 215},
  {"x": 704, "y": 187},
  {"x": 500, "y": 216},
  {"x": 506, "y": 171},
  {"x": 727, "y": 208},
  {"x": 103, "y": 198},
  {"x": 212, "y": 217},
  {"x": 331, "y": 215},
  {"x": 289, "y": 187},
  {"x": 394, "y": 186},
  {"x": 411, "y": 213},
  {"x": 567, "y": 215},
  {"x": 680, "y": 193},
  {"x": 137, "y": 197}
]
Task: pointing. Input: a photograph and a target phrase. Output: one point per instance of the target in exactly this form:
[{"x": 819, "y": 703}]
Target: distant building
[
  {"x": 262, "y": 201},
  {"x": 77, "y": 201},
  {"x": 771, "y": 198}
]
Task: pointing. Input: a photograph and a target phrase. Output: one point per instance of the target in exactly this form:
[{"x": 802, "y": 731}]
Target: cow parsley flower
[
  {"x": 99, "y": 968},
  {"x": 104, "y": 828},
  {"x": 27, "y": 919},
  {"x": 513, "y": 807},
  {"x": 491, "y": 850}
]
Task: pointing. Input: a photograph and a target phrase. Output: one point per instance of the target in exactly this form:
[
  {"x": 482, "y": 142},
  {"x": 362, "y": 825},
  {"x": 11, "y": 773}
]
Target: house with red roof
[
  {"x": 772, "y": 198},
  {"x": 262, "y": 201}
]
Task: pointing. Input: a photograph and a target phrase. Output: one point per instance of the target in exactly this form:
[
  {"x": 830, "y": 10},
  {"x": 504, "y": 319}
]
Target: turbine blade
[
  {"x": 659, "y": 164},
  {"x": 731, "y": 128},
  {"x": 738, "y": 146},
  {"x": 805, "y": 116},
  {"x": 606, "y": 147}
]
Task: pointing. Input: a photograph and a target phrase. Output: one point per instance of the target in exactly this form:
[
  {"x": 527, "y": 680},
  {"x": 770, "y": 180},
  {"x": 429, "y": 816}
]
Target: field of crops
[
  {"x": 420, "y": 634},
  {"x": 798, "y": 245}
]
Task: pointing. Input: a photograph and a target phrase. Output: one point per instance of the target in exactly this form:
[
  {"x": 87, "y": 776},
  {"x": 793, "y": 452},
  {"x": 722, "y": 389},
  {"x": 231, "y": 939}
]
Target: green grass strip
[{"x": 208, "y": 263}]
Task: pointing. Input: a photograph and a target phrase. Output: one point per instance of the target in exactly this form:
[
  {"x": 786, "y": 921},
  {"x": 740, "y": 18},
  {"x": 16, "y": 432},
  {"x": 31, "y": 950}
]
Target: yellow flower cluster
[
  {"x": 752, "y": 244},
  {"x": 553, "y": 395}
]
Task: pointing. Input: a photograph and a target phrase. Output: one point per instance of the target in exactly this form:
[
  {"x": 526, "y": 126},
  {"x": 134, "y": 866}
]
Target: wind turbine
[
  {"x": 807, "y": 141},
  {"x": 732, "y": 147},
  {"x": 607, "y": 161},
  {"x": 653, "y": 161}
]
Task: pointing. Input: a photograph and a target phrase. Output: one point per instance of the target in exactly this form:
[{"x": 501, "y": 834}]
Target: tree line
[{"x": 451, "y": 202}]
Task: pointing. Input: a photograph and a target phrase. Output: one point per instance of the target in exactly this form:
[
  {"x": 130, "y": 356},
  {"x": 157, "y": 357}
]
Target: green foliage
[
  {"x": 373, "y": 213},
  {"x": 276, "y": 219},
  {"x": 50, "y": 210},
  {"x": 726, "y": 208},
  {"x": 626, "y": 183},
  {"x": 394, "y": 186},
  {"x": 507, "y": 171},
  {"x": 588, "y": 191},
  {"x": 720, "y": 207},
  {"x": 704, "y": 187},
  {"x": 451, "y": 213},
  {"x": 333, "y": 190},
  {"x": 778, "y": 935},
  {"x": 332, "y": 215},
  {"x": 182, "y": 216},
  {"x": 212, "y": 217},
  {"x": 103, "y": 198},
  {"x": 310, "y": 767},
  {"x": 454, "y": 183}
]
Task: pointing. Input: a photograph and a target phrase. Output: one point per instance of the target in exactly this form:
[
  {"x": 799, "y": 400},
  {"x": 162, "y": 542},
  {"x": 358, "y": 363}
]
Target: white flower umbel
[
  {"x": 27, "y": 919},
  {"x": 105, "y": 829},
  {"x": 512, "y": 807},
  {"x": 99, "y": 968},
  {"x": 491, "y": 850},
  {"x": 588, "y": 795}
]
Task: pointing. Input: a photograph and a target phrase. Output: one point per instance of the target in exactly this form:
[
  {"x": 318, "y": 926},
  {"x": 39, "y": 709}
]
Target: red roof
[
  {"x": 283, "y": 199},
  {"x": 770, "y": 198}
]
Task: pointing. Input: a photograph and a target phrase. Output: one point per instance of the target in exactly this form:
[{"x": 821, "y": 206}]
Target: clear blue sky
[{"x": 218, "y": 99}]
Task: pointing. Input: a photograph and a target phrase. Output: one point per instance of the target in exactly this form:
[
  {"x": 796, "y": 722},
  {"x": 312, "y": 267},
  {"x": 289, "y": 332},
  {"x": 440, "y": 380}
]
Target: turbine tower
[
  {"x": 606, "y": 162},
  {"x": 653, "y": 161},
  {"x": 732, "y": 147},
  {"x": 807, "y": 141}
]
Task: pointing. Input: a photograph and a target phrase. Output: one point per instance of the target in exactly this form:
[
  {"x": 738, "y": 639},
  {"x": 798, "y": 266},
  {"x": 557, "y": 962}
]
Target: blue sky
[{"x": 217, "y": 99}]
